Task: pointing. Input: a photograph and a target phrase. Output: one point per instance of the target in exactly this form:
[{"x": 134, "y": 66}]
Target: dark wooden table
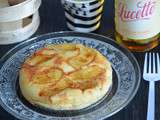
[{"x": 52, "y": 19}]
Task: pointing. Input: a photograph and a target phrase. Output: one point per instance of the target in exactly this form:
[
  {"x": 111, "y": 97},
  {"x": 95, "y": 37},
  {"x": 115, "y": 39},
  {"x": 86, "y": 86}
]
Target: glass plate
[{"x": 126, "y": 78}]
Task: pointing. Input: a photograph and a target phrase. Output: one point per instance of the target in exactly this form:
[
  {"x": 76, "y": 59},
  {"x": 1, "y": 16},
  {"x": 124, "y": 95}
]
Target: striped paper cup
[
  {"x": 83, "y": 15},
  {"x": 82, "y": 5}
]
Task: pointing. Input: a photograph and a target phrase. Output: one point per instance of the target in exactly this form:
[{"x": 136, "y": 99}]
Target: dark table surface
[{"x": 52, "y": 20}]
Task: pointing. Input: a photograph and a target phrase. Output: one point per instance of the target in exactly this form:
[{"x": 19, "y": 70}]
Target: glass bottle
[{"x": 137, "y": 24}]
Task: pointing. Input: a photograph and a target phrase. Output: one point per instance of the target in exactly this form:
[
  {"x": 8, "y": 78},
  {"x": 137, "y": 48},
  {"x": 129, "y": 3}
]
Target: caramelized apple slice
[
  {"x": 47, "y": 63},
  {"x": 66, "y": 68},
  {"x": 45, "y": 51},
  {"x": 70, "y": 54},
  {"x": 62, "y": 47},
  {"x": 58, "y": 63},
  {"x": 100, "y": 58},
  {"x": 48, "y": 76},
  {"x": 54, "y": 89},
  {"x": 34, "y": 60},
  {"x": 86, "y": 56},
  {"x": 83, "y": 85},
  {"x": 89, "y": 73},
  {"x": 67, "y": 50},
  {"x": 55, "y": 74},
  {"x": 28, "y": 71}
]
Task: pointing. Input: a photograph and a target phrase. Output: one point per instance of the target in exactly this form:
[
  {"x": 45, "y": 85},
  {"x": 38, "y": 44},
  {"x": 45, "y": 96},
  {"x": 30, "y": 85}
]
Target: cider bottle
[{"x": 137, "y": 24}]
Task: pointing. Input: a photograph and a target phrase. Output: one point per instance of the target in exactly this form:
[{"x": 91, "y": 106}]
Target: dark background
[{"x": 52, "y": 20}]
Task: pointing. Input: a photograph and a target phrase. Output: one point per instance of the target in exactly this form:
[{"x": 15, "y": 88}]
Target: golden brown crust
[{"x": 52, "y": 71}]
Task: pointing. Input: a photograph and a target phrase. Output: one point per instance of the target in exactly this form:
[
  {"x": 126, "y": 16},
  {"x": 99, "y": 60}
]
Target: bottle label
[{"x": 137, "y": 19}]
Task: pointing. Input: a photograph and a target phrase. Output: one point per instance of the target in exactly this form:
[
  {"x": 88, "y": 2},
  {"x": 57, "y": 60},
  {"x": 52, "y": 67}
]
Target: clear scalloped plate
[{"x": 126, "y": 78}]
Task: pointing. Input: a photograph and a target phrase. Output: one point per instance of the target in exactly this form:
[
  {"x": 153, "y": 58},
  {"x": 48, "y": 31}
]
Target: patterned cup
[{"x": 83, "y": 15}]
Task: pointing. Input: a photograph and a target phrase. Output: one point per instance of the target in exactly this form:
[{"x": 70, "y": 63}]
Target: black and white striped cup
[{"x": 83, "y": 15}]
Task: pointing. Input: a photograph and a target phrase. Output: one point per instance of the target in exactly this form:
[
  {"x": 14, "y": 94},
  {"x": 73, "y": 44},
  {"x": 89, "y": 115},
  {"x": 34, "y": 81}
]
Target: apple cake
[{"x": 65, "y": 77}]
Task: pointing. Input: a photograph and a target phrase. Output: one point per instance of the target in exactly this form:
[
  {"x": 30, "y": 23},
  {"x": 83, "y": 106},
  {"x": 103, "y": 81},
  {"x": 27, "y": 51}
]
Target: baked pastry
[{"x": 65, "y": 77}]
